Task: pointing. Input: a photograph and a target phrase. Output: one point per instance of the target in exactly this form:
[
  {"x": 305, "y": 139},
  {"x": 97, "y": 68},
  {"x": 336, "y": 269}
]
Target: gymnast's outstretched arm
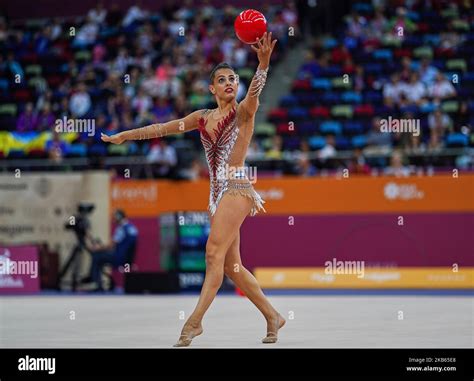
[
  {"x": 264, "y": 49},
  {"x": 156, "y": 130}
]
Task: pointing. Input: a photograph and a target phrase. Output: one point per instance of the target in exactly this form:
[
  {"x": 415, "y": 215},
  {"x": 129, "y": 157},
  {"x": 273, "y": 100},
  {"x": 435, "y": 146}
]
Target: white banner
[{"x": 34, "y": 208}]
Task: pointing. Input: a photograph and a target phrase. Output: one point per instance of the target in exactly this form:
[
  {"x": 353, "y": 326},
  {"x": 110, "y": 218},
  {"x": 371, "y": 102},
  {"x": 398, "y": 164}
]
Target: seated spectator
[
  {"x": 305, "y": 168},
  {"x": 441, "y": 88},
  {"x": 56, "y": 148},
  {"x": 275, "y": 151},
  {"x": 378, "y": 25},
  {"x": 163, "y": 157},
  {"x": 80, "y": 103},
  {"x": 46, "y": 118},
  {"x": 462, "y": 118},
  {"x": 195, "y": 172},
  {"x": 377, "y": 138},
  {"x": 359, "y": 79},
  {"x": 450, "y": 39},
  {"x": 254, "y": 151},
  {"x": 392, "y": 90},
  {"x": 142, "y": 102},
  {"x": 162, "y": 111},
  {"x": 407, "y": 69},
  {"x": 414, "y": 145},
  {"x": 358, "y": 164},
  {"x": 329, "y": 150},
  {"x": 87, "y": 34},
  {"x": 414, "y": 90},
  {"x": 28, "y": 120},
  {"x": 427, "y": 72},
  {"x": 14, "y": 67},
  {"x": 401, "y": 25},
  {"x": 134, "y": 13},
  {"x": 340, "y": 54},
  {"x": 356, "y": 24},
  {"x": 396, "y": 167},
  {"x": 97, "y": 14},
  {"x": 440, "y": 121},
  {"x": 311, "y": 66}
]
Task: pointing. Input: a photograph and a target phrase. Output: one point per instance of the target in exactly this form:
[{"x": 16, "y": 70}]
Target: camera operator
[{"x": 118, "y": 253}]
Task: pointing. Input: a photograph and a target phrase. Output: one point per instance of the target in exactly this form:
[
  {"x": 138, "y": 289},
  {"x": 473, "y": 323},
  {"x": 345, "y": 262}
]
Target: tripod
[{"x": 74, "y": 260}]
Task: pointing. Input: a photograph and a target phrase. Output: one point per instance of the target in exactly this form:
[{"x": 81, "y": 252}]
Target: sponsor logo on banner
[
  {"x": 19, "y": 270},
  {"x": 394, "y": 191},
  {"x": 403, "y": 277},
  {"x": 272, "y": 193},
  {"x": 144, "y": 193}
]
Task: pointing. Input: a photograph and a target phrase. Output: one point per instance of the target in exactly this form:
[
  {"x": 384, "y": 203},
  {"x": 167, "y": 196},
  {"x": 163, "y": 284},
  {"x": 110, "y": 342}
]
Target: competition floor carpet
[{"x": 318, "y": 321}]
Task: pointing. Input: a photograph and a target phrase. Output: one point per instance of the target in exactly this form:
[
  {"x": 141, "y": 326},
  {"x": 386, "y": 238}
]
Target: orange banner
[
  {"x": 404, "y": 277},
  {"x": 292, "y": 195}
]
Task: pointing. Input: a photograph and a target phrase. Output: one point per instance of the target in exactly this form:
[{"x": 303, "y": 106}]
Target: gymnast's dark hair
[{"x": 222, "y": 65}]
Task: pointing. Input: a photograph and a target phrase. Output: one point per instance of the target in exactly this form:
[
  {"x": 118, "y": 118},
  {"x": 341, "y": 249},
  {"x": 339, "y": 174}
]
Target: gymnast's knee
[{"x": 214, "y": 256}]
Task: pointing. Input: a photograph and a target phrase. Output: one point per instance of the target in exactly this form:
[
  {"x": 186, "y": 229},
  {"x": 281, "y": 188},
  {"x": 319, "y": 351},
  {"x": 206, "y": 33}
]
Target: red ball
[{"x": 250, "y": 25}]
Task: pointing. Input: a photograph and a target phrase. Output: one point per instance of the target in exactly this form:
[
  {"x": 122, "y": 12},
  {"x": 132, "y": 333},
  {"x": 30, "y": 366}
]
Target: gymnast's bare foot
[
  {"x": 189, "y": 332},
  {"x": 273, "y": 325}
]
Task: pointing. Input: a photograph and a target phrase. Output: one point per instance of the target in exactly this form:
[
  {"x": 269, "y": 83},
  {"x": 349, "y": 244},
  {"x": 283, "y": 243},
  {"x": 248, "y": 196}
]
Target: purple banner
[
  {"x": 19, "y": 270},
  {"x": 378, "y": 239}
]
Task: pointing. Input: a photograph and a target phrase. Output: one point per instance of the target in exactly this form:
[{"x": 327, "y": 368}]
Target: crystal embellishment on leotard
[{"x": 218, "y": 150}]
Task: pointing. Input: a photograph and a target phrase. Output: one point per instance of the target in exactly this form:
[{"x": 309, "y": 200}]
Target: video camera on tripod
[{"x": 80, "y": 225}]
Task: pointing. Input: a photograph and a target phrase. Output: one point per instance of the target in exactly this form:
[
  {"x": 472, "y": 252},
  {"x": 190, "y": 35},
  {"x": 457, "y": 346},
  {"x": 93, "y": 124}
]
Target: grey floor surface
[{"x": 232, "y": 321}]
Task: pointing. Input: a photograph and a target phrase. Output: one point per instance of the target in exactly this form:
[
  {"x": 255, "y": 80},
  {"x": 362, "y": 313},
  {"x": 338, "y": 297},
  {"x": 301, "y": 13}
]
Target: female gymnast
[{"x": 225, "y": 134}]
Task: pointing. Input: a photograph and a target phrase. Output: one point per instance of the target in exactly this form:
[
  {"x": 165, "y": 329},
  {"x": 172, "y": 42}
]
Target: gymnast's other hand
[{"x": 114, "y": 139}]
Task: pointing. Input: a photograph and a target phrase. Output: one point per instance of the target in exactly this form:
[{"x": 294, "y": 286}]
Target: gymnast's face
[{"x": 225, "y": 84}]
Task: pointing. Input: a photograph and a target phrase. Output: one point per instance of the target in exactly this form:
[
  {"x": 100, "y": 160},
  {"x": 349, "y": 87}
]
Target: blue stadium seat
[
  {"x": 373, "y": 68},
  {"x": 414, "y": 16},
  {"x": 307, "y": 128},
  {"x": 457, "y": 140},
  {"x": 97, "y": 150},
  {"x": 308, "y": 99},
  {"x": 383, "y": 54},
  {"x": 342, "y": 143},
  {"x": 351, "y": 97},
  {"x": 330, "y": 127},
  {"x": 332, "y": 71},
  {"x": 363, "y": 7},
  {"x": 316, "y": 142},
  {"x": 330, "y": 97},
  {"x": 298, "y": 113},
  {"x": 359, "y": 141},
  {"x": 289, "y": 100},
  {"x": 77, "y": 150},
  {"x": 133, "y": 148},
  {"x": 431, "y": 39},
  {"x": 427, "y": 107},
  {"x": 321, "y": 83},
  {"x": 413, "y": 40},
  {"x": 16, "y": 154},
  {"x": 353, "y": 128},
  {"x": 291, "y": 143},
  {"x": 329, "y": 43},
  {"x": 372, "y": 96},
  {"x": 468, "y": 77}
]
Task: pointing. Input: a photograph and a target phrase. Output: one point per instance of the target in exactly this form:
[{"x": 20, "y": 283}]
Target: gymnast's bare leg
[
  {"x": 227, "y": 220},
  {"x": 245, "y": 281},
  {"x": 225, "y": 225}
]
